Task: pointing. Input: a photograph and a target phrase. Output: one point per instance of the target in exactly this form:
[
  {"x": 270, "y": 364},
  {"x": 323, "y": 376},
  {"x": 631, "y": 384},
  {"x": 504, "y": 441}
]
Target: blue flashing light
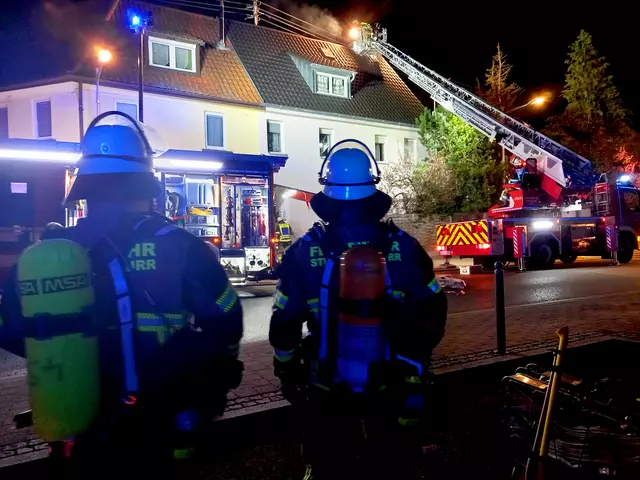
[
  {"x": 138, "y": 20},
  {"x": 624, "y": 178}
]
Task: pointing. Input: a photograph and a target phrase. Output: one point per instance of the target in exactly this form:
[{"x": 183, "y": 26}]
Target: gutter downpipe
[{"x": 81, "y": 108}]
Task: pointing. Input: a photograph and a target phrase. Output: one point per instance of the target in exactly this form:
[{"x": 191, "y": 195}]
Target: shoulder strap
[{"x": 108, "y": 249}]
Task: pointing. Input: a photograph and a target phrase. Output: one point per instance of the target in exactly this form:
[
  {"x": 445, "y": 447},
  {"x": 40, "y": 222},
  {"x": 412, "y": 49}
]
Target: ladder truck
[{"x": 555, "y": 206}]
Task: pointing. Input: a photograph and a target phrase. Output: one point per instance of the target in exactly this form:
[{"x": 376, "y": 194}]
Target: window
[
  {"x": 171, "y": 54},
  {"x": 630, "y": 198},
  {"x": 4, "y": 123},
  {"x": 18, "y": 187},
  {"x": 328, "y": 84},
  {"x": 380, "y": 148},
  {"x": 130, "y": 109},
  {"x": 325, "y": 138},
  {"x": 214, "y": 130},
  {"x": 43, "y": 119},
  {"x": 410, "y": 148},
  {"x": 274, "y": 137}
]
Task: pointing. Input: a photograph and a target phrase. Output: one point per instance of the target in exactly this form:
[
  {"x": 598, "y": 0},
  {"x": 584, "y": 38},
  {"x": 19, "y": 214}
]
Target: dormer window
[
  {"x": 331, "y": 84},
  {"x": 174, "y": 55}
]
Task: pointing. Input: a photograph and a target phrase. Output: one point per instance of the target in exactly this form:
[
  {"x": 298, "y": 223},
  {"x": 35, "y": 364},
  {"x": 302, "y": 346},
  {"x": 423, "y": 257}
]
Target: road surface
[{"x": 583, "y": 279}]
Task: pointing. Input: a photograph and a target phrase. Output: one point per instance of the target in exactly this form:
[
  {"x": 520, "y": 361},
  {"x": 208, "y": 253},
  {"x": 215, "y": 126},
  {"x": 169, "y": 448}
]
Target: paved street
[{"x": 592, "y": 298}]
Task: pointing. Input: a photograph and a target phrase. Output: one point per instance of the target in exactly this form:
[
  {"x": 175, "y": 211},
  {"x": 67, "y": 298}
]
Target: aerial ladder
[{"x": 553, "y": 159}]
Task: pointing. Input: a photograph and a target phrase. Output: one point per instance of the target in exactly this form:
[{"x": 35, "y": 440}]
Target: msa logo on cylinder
[{"x": 54, "y": 284}]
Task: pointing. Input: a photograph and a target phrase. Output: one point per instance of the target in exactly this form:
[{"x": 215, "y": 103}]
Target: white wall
[
  {"x": 64, "y": 111},
  {"x": 179, "y": 122},
  {"x": 300, "y": 132}
]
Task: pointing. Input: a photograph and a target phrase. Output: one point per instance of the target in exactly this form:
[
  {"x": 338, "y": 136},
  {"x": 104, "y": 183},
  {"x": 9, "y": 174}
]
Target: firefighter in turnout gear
[
  {"x": 374, "y": 311},
  {"x": 156, "y": 321},
  {"x": 284, "y": 237}
]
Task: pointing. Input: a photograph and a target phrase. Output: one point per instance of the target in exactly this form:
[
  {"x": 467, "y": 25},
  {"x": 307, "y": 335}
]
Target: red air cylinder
[{"x": 360, "y": 333}]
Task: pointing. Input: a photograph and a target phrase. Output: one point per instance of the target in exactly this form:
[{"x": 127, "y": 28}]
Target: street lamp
[
  {"x": 138, "y": 23},
  {"x": 535, "y": 101},
  {"x": 103, "y": 56}
]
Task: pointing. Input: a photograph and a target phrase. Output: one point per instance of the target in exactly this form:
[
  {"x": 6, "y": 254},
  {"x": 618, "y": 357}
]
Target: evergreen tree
[
  {"x": 594, "y": 123},
  {"x": 499, "y": 92}
]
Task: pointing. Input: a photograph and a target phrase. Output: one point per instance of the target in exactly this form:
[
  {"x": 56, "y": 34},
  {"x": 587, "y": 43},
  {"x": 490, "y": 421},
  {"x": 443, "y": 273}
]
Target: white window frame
[
  {"x": 279, "y": 122},
  {"x": 35, "y": 118},
  {"x": 172, "y": 44},
  {"x": 331, "y": 76},
  {"x": 128, "y": 102},
  {"x": 224, "y": 131},
  {"x": 327, "y": 131},
  {"x": 383, "y": 142},
  {"x": 414, "y": 150}
]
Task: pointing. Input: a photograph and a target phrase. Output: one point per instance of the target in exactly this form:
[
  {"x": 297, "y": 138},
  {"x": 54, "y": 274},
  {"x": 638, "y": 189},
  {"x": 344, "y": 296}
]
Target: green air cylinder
[{"x": 56, "y": 296}]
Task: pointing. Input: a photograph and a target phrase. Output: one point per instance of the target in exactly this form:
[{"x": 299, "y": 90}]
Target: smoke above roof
[{"x": 320, "y": 17}]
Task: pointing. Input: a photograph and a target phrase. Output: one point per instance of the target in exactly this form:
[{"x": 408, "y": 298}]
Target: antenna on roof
[
  {"x": 255, "y": 12},
  {"x": 222, "y": 43}
]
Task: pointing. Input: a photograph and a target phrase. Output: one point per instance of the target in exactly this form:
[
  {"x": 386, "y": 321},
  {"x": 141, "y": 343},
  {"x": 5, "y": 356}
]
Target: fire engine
[
  {"x": 554, "y": 206},
  {"x": 225, "y": 198}
]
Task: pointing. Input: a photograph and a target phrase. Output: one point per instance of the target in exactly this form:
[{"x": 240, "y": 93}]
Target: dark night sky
[{"x": 458, "y": 41}]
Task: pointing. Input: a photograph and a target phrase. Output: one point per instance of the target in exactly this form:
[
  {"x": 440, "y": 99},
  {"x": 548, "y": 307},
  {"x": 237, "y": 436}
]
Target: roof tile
[{"x": 377, "y": 91}]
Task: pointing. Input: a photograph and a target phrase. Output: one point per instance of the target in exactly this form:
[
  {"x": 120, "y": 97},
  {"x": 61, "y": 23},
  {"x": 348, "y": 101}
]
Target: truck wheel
[
  {"x": 569, "y": 258},
  {"x": 543, "y": 255},
  {"x": 625, "y": 249}
]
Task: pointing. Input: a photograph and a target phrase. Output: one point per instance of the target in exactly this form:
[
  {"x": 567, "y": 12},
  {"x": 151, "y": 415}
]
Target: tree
[
  {"x": 422, "y": 187},
  {"x": 594, "y": 122},
  {"x": 499, "y": 92},
  {"x": 459, "y": 174}
]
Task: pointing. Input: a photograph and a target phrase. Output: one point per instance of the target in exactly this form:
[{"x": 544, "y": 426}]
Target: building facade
[{"x": 257, "y": 91}]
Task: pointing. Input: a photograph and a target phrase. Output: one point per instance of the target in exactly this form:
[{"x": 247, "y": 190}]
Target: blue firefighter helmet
[
  {"x": 116, "y": 162},
  {"x": 349, "y": 171}
]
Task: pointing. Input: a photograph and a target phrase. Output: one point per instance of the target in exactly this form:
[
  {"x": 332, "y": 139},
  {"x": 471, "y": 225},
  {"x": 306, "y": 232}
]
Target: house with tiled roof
[
  {"x": 260, "y": 91},
  {"x": 196, "y": 94},
  {"x": 316, "y": 93}
]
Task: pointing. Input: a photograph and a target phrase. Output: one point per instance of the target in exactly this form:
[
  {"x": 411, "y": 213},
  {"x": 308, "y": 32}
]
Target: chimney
[{"x": 222, "y": 44}]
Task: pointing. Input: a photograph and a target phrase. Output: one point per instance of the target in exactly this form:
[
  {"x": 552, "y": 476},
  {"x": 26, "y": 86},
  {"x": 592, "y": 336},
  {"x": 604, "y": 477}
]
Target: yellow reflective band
[
  {"x": 408, "y": 422},
  {"x": 283, "y": 355},
  {"x": 313, "y": 304},
  {"x": 398, "y": 294},
  {"x": 280, "y": 299},
  {"x": 412, "y": 379},
  {"x": 434, "y": 285},
  {"x": 182, "y": 453},
  {"x": 228, "y": 299}
]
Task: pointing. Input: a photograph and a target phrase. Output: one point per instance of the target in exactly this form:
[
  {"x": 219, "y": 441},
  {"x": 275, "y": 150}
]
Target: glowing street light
[
  {"x": 103, "y": 56},
  {"x": 535, "y": 101}
]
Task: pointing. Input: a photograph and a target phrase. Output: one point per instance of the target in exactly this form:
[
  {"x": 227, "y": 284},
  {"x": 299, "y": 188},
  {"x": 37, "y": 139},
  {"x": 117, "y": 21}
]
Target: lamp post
[
  {"x": 535, "y": 101},
  {"x": 138, "y": 22},
  {"x": 104, "y": 56}
]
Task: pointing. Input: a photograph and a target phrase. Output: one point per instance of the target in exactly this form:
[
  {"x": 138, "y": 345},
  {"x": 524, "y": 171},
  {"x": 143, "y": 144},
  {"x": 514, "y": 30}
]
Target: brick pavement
[{"x": 470, "y": 336}]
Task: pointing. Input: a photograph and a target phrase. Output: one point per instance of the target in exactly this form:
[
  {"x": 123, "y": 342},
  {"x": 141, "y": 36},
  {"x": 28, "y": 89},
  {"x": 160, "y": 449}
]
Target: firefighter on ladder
[
  {"x": 137, "y": 344},
  {"x": 374, "y": 310}
]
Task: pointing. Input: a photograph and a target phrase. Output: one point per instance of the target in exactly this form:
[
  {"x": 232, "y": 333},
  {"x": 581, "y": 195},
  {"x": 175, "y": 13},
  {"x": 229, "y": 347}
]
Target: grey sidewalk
[{"x": 470, "y": 338}]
